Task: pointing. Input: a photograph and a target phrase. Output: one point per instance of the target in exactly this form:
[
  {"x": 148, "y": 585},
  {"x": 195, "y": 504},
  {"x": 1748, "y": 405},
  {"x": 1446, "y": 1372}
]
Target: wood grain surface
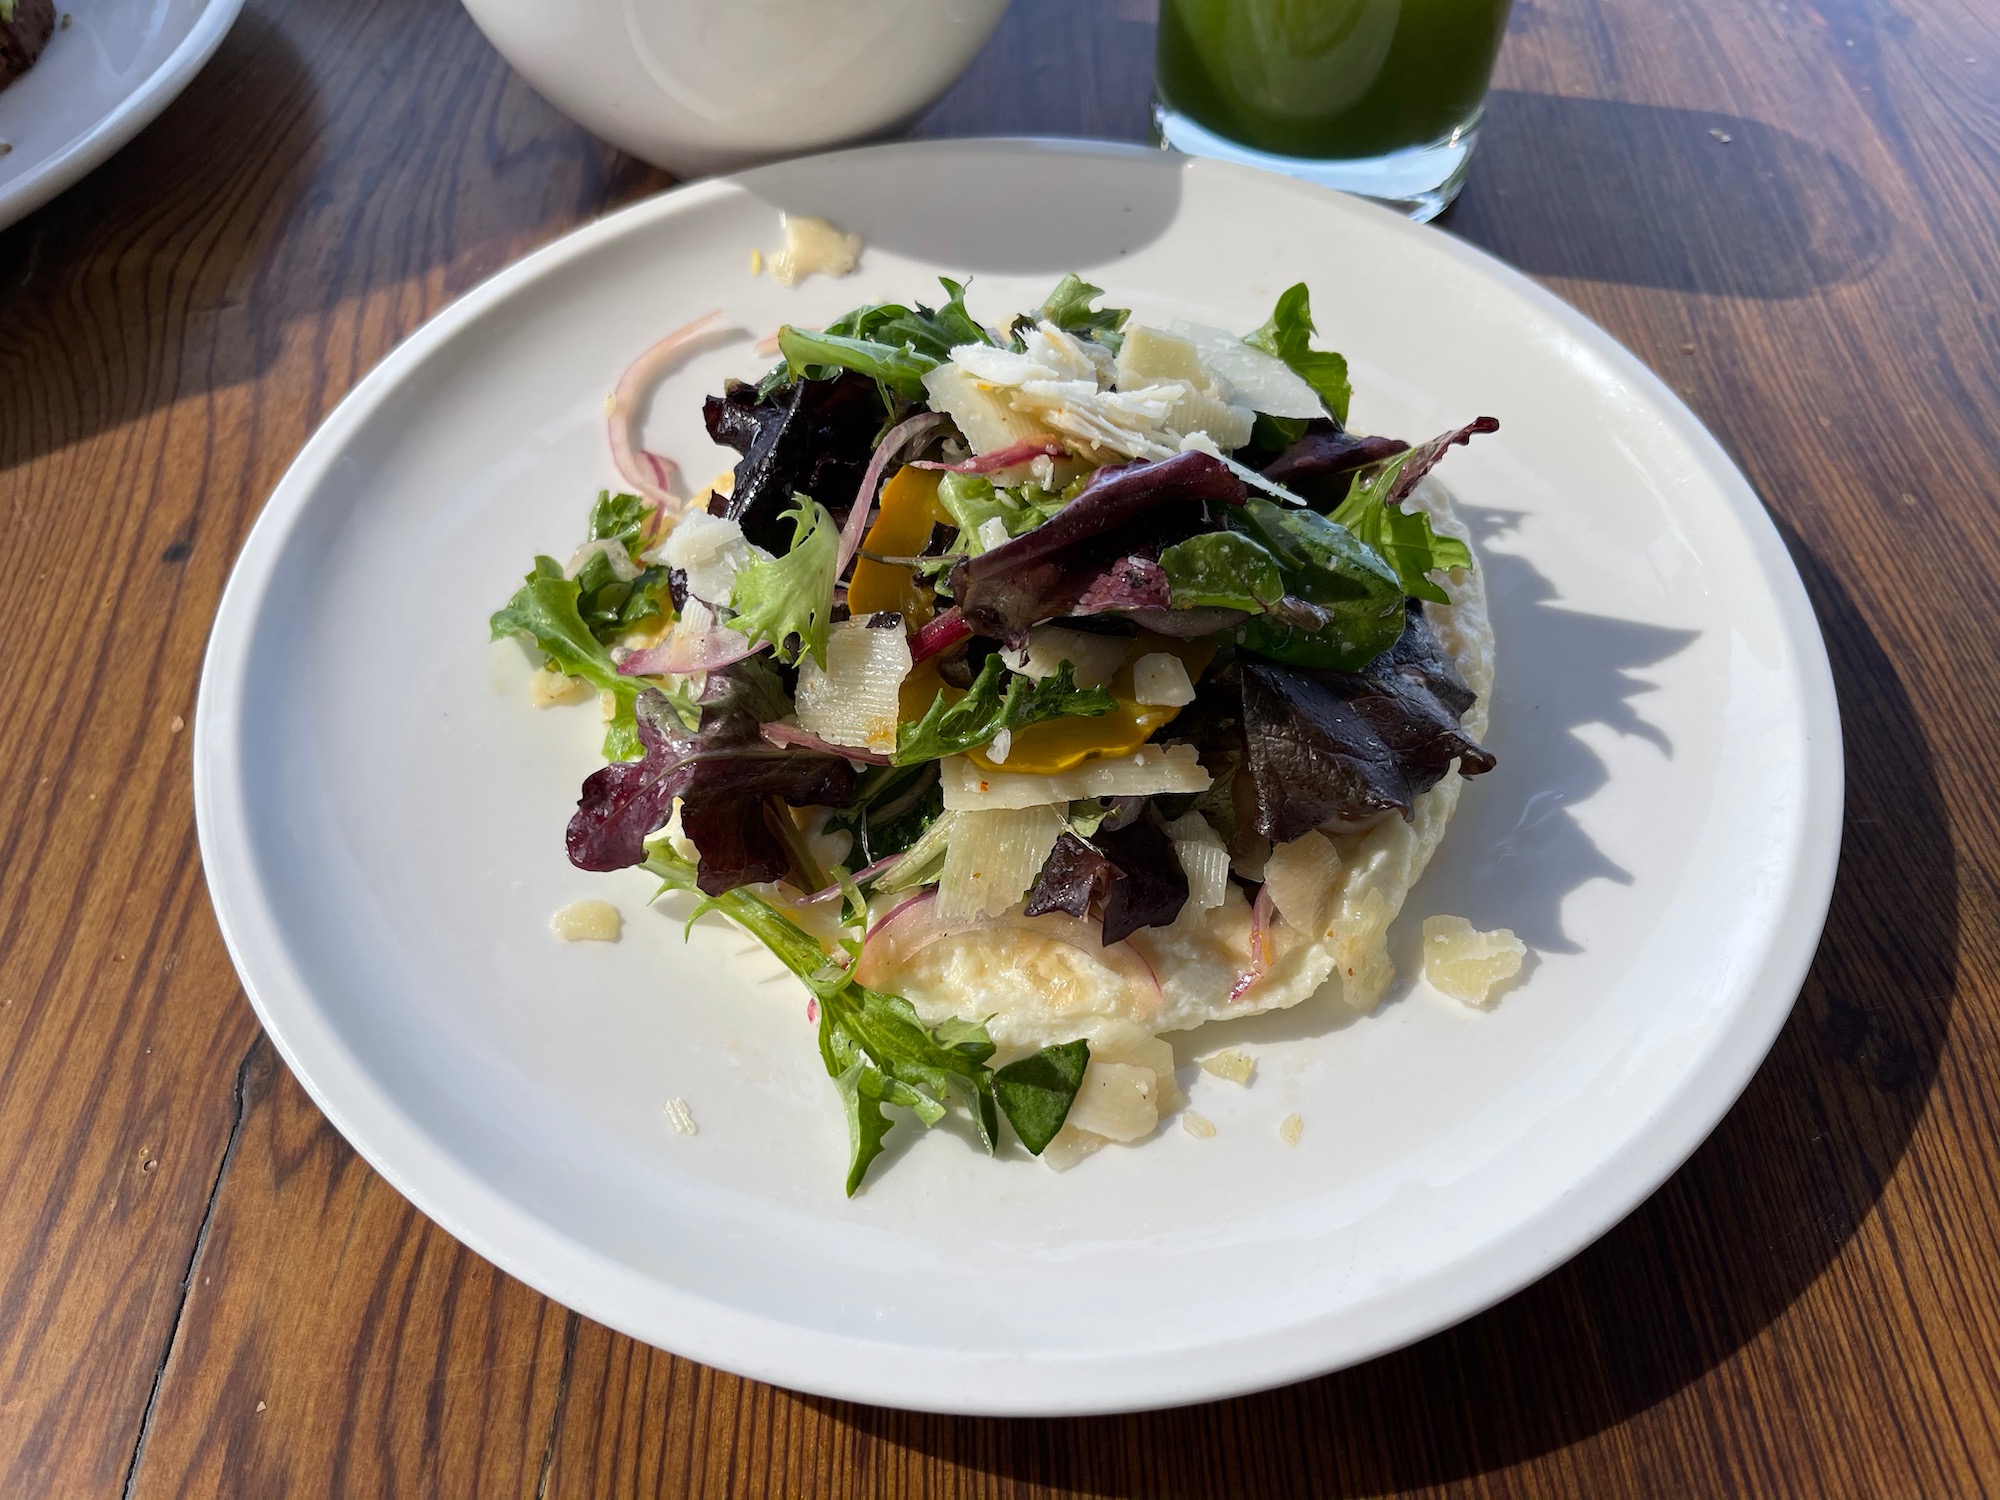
[{"x": 1790, "y": 209}]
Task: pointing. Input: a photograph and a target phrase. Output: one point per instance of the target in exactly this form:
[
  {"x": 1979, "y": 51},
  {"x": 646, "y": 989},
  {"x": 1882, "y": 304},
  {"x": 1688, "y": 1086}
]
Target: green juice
[{"x": 1328, "y": 79}]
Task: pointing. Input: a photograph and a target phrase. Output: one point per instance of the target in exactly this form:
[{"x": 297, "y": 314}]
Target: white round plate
[
  {"x": 382, "y": 817},
  {"x": 100, "y": 83}
]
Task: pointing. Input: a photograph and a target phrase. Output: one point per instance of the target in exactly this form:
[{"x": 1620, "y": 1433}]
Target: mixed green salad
[{"x": 1066, "y": 615}]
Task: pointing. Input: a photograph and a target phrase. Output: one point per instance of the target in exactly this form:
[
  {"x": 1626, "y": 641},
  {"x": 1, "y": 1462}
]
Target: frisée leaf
[
  {"x": 986, "y": 709},
  {"x": 789, "y": 599}
]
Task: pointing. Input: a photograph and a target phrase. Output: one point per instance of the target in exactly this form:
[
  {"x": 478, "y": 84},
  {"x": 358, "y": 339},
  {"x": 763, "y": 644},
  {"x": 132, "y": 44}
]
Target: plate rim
[
  {"x": 85, "y": 153},
  {"x": 852, "y": 1368}
]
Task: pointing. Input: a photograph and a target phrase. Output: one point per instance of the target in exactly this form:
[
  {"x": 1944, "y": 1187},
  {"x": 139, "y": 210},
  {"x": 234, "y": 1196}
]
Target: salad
[{"x": 1029, "y": 691}]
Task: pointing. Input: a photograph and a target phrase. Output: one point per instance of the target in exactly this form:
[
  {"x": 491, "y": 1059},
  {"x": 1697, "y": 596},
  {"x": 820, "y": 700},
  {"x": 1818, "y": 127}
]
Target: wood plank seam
[
  {"x": 556, "y": 1416},
  {"x": 241, "y": 1091}
]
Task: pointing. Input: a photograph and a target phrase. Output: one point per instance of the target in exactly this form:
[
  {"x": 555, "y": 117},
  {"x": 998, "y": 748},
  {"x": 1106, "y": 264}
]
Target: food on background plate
[
  {"x": 25, "y": 29},
  {"x": 1030, "y": 692}
]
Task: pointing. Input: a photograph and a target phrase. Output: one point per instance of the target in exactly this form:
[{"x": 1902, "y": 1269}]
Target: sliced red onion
[
  {"x": 866, "y": 872},
  {"x": 648, "y": 473},
  {"x": 695, "y": 644},
  {"x": 939, "y": 633},
  {"x": 902, "y": 434},
  {"x": 795, "y": 737},
  {"x": 1004, "y": 458},
  {"x": 1263, "y": 915}
]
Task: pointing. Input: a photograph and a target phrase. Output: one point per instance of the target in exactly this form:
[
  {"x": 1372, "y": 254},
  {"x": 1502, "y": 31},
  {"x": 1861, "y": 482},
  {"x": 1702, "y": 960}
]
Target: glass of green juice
[{"x": 1377, "y": 97}]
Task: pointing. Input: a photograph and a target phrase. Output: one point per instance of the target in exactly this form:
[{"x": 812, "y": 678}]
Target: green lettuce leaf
[
  {"x": 986, "y": 709},
  {"x": 1037, "y": 1091},
  {"x": 790, "y": 598},
  {"x": 814, "y": 355},
  {"x": 879, "y": 1053},
  {"x": 1222, "y": 569},
  {"x": 1288, "y": 334},
  {"x": 545, "y": 609},
  {"x": 930, "y": 332},
  {"x": 1403, "y": 538},
  {"x": 1068, "y": 307},
  {"x": 608, "y": 604},
  {"x": 1352, "y": 599},
  {"x": 887, "y": 341}
]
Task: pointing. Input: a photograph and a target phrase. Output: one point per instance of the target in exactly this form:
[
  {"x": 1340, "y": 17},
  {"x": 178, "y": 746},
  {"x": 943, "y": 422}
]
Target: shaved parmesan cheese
[
  {"x": 1198, "y": 1126},
  {"x": 993, "y": 533},
  {"x": 1206, "y": 410},
  {"x": 588, "y": 921},
  {"x": 681, "y": 1117},
  {"x": 1094, "y": 658},
  {"x": 1204, "y": 860},
  {"x": 1468, "y": 964},
  {"x": 1117, "y": 1101},
  {"x": 1230, "y": 1064},
  {"x": 1161, "y": 679},
  {"x": 711, "y": 550},
  {"x": 547, "y": 687},
  {"x": 856, "y": 699},
  {"x": 981, "y": 412},
  {"x": 1151, "y": 770},
  {"x": 1128, "y": 1042},
  {"x": 813, "y": 246},
  {"x": 1150, "y": 356},
  {"x": 992, "y": 859},
  {"x": 1071, "y": 1146},
  {"x": 1301, "y": 876},
  {"x": 1290, "y": 1129},
  {"x": 1257, "y": 379}
]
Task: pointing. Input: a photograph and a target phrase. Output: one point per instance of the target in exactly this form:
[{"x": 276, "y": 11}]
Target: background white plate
[
  {"x": 99, "y": 84},
  {"x": 381, "y": 817}
]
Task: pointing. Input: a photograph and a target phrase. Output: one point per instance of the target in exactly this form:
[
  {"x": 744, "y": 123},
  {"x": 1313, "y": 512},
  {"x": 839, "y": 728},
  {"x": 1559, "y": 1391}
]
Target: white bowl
[{"x": 699, "y": 86}]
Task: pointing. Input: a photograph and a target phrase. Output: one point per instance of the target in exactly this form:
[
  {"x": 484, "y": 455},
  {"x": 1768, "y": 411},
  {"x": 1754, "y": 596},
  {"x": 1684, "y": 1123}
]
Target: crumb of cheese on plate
[
  {"x": 1468, "y": 964},
  {"x": 681, "y": 1118},
  {"x": 813, "y": 246},
  {"x": 1232, "y": 1065},
  {"x": 1198, "y": 1126},
  {"x": 588, "y": 920},
  {"x": 548, "y": 687},
  {"x": 1290, "y": 1129}
]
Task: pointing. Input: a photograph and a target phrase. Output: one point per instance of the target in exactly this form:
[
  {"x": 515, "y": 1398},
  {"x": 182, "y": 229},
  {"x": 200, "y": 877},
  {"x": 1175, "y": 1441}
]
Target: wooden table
[{"x": 1791, "y": 209}]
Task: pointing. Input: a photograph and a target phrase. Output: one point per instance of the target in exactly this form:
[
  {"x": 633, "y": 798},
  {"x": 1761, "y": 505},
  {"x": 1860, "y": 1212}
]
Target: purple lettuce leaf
[
  {"x": 1319, "y": 464},
  {"x": 1324, "y": 746},
  {"x": 1150, "y": 888},
  {"x": 730, "y": 781},
  {"x": 1123, "y": 512},
  {"x": 1133, "y": 871},
  {"x": 1074, "y": 876},
  {"x": 810, "y": 437},
  {"x": 1129, "y": 583}
]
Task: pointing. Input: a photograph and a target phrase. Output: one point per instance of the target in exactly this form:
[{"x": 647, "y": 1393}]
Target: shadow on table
[
  {"x": 1644, "y": 195},
  {"x": 1693, "y": 1275}
]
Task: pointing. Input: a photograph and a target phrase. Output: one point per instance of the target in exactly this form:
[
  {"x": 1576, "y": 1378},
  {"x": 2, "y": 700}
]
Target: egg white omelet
[{"x": 1037, "y": 981}]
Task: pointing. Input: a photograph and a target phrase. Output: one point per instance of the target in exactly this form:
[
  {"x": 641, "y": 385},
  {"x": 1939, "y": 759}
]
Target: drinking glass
[{"x": 1377, "y": 97}]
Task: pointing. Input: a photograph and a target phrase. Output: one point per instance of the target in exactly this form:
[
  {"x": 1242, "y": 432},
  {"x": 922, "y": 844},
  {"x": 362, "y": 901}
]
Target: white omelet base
[{"x": 1032, "y": 990}]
